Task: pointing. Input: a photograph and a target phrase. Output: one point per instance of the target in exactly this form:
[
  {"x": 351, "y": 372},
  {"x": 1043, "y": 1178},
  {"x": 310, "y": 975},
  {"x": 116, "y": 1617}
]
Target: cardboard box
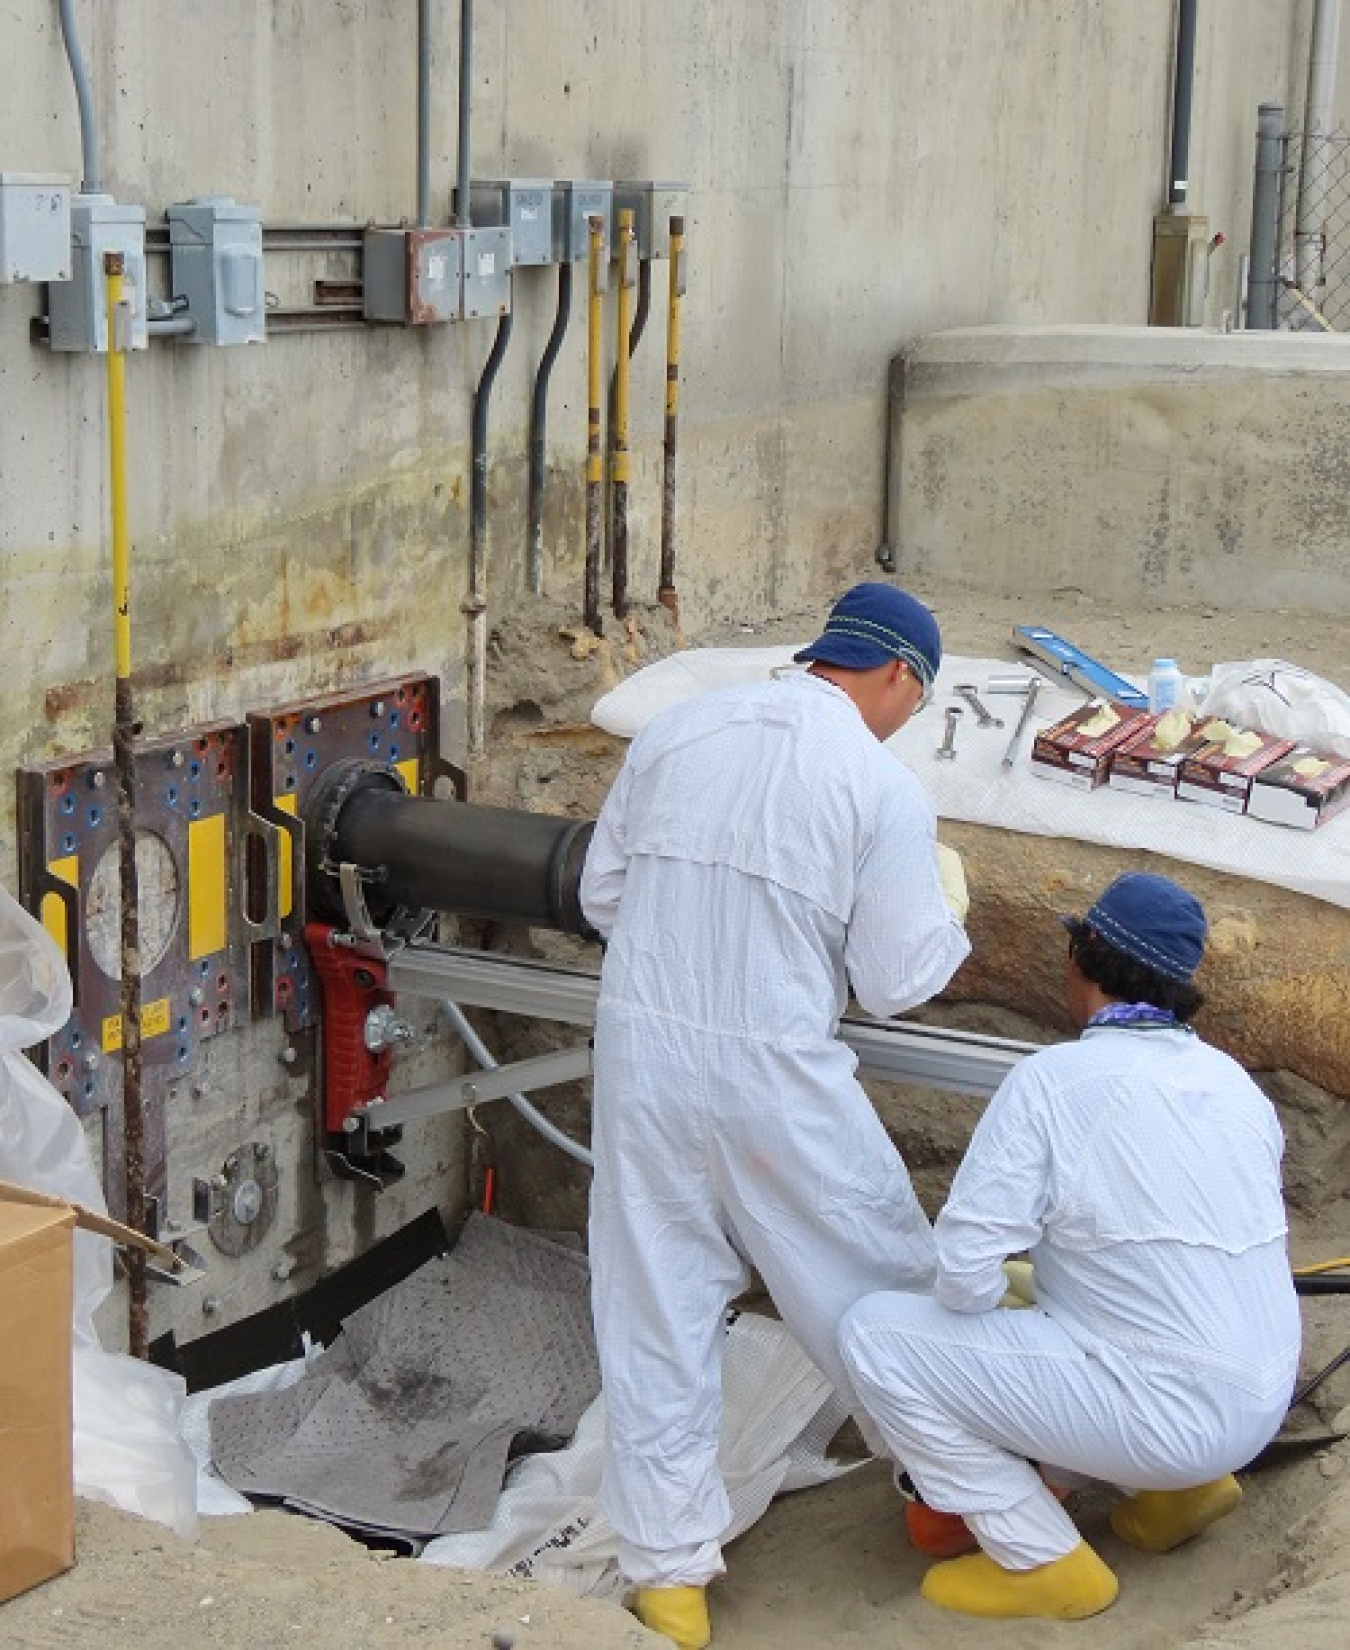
[
  {"x": 37, "y": 1495},
  {"x": 1145, "y": 767},
  {"x": 1218, "y": 781},
  {"x": 1065, "y": 753},
  {"x": 1305, "y": 801}
]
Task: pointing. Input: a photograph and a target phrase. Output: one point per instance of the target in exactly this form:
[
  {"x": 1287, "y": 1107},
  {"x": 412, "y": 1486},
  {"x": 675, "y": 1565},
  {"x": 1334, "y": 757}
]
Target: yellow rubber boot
[
  {"x": 681, "y": 1613},
  {"x": 1069, "y": 1589},
  {"x": 1155, "y": 1521}
]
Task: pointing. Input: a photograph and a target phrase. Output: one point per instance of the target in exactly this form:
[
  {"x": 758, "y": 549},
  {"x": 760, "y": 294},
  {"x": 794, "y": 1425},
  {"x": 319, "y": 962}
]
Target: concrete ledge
[{"x": 1143, "y": 465}]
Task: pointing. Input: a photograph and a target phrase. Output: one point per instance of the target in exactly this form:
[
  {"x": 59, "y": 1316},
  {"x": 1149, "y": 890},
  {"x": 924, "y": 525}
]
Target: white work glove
[
  {"x": 952, "y": 876},
  {"x": 1021, "y": 1290}
]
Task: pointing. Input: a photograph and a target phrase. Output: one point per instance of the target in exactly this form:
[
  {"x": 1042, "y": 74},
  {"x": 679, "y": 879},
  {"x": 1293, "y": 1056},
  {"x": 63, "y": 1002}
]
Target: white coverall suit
[
  {"x": 1141, "y": 1168},
  {"x": 759, "y": 851}
]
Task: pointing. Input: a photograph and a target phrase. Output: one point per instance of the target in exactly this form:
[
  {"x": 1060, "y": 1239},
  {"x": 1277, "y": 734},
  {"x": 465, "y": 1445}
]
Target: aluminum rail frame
[{"x": 958, "y": 1062}]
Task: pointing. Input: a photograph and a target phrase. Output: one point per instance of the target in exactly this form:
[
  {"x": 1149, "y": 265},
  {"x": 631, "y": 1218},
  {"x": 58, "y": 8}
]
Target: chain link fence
[{"x": 1313, "y": 249}]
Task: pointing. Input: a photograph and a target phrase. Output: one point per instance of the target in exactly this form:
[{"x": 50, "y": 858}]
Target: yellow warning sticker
[{"x": 154, "y": 1023}]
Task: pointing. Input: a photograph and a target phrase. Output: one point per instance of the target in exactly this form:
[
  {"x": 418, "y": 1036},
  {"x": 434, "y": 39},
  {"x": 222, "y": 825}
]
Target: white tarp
[
  {"x": 778, "y": 1416},
  {"x": 977, "y": 788}
]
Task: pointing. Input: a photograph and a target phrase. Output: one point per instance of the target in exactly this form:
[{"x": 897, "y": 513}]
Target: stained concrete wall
[
  {"x": 862, "y": 172},
  {"x": 1139, "y": 465}
]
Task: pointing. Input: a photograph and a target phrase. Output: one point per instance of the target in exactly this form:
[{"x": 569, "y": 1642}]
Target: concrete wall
[
  {"x": 861, "y": 171},
  {"x": 1143, "y": 466}
]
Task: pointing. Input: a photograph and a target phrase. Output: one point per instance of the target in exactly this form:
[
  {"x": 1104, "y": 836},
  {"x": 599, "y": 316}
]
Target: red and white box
[
  {"x": 1304, "y": 789},
  {"x": 1144, "y": 766},
  {"x": 1217, "y": 780},
  {"x": 1065, "y": 753}
]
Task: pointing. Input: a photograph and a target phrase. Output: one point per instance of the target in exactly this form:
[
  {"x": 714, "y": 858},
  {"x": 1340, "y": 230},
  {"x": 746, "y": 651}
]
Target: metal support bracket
[{"x": 475, "y": 1089}]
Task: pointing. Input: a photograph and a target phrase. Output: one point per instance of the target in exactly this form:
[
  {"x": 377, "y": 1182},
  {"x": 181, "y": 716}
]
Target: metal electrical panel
[
  {"x": 522, "y": 205},
  {"x": 216, "y": 264},
  {"x": 34, "y": 227},
  {"x": 653, "y": 205},
  {"x": 411, "y": 276},
  {"x": 486, "y": 256},
  {"x": 574, "y": 202},
  {"x": 77, "y": 309}
]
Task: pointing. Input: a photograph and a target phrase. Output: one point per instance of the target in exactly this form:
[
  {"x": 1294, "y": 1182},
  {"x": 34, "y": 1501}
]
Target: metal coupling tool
[
  {"x": 972, "y": 698},
  {"x": 947, "y": 749},
  {"x": 1010, "y": 755}
]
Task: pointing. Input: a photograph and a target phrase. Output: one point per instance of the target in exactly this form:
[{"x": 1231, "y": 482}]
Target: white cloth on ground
[
  {"x": 1141, "y": 1171},
  {"x": 758, "y": 853}
]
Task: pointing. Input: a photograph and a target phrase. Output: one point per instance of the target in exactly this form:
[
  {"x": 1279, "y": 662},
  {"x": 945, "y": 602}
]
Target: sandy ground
[{"x": 827, "y": 1566}]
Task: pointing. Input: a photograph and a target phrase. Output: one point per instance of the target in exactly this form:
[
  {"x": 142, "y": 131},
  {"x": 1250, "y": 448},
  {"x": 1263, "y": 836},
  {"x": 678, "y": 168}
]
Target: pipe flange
[{"x": 332, "y": 791}]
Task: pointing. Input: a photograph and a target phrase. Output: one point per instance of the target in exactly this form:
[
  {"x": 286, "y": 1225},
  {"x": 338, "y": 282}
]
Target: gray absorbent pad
[{"x": 405, "y": 1423}]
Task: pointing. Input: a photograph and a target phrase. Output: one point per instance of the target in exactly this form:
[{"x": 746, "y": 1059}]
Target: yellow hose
[
  {"x": 1321, "y": 1266},
  {"x": 117, "y": 443}
]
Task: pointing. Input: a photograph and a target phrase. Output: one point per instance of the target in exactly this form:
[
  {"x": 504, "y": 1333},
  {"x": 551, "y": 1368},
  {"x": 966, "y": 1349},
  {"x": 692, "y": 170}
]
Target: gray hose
[
  {"x": 88, "y": 137},
  {"x": 535, "y": 1118}
]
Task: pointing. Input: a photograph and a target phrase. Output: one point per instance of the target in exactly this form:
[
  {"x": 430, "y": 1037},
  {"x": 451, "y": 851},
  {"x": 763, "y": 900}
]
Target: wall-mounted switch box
[
  {"x": 77, "y": 309},
  {"x": 653, "y": 205},
  {"x": 411, "y": 276},
  {"x": 34, "y": 227},
  {"x": 522, "y": 205},
  {"x": 216, "y": 264},
  {"x": 574, "y": 202},
  {"x": 486, "y": 258}
]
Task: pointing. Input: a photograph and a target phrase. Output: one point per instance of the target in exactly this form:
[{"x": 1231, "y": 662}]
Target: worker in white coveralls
[
  {"x": 1140, "y": 1169},
  {"x": 759, "y": 853}
]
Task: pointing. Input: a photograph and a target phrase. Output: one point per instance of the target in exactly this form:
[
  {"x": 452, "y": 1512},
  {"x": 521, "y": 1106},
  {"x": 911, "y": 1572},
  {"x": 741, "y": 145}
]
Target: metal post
[
  {"x": 124, "y": 730},
  {"x": 619, "y": 471},
  {"x": 595, "y": 453},
  {"x": 666, "y": 588},
  {"x": 1310, "y": 238},
  {"x": 1262, "y": 289}
]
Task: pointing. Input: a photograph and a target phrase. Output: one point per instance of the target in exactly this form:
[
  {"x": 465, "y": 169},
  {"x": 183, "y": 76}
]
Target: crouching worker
[{"x": 1141, "y": 1169}]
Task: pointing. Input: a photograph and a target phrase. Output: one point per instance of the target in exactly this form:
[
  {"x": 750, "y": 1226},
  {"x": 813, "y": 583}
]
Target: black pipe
[
  {"x": 538, "y": 432},
  {"x": 423, "y": 113},
  {"x": 1183, "y": 87},
  {"x": 478, "y": 487},
  {"x": 463, "y": 159},
  {"x": 425, "y": 853}
]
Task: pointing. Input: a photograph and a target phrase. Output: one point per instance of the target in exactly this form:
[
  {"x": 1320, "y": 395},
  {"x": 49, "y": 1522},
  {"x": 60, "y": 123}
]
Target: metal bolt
[
  {"x": 377, "y": 708},
  {"x": 212, "y": 1306},
  {"x": 313, "y": 724},
  {"x": 285, "y": 941},
  {"x": 967, "y": 692},
  {"x": 264, "y": 1151},
  {"x": 947, "y": 749},
  {"x": 288, "y": 1056},
  {"x": 196, "y": 996},
  {"x": 98, "y": 779},
  {"x": 176, "y": 759},
  {"x": 283, "y": 1269},
  {"x": 91, "y": 1062},
  {"x": 218, "y": 1182}
]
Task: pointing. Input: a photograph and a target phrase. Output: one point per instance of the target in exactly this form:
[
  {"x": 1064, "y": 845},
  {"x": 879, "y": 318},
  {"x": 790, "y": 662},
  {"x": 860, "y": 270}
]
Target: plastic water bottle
[{"x": 1164, "y": 685}]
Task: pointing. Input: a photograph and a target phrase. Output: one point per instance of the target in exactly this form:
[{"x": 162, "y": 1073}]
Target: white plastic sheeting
[
  {"x": 778, "y": 1416},
  {"x": 128, "y": 1449},
  {"x": 977, "y": 788}
]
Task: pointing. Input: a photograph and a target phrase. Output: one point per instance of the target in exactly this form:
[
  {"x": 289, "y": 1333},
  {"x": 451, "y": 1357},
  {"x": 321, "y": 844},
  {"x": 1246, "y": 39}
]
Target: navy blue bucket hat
[
  {"x": 1152, "y": 920},
  {"x": 874, "y": 623}
]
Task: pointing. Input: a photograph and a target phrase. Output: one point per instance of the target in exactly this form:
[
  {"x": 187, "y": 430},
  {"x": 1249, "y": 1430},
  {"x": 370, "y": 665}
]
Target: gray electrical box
[
  {"x": 77, "y": 309},
  {"x": 653, "y": 205},
  {"x": 486, "y": 258},
  {"x": 216, "y": 264},
  {"x": 34, "y": 227},
  {"x": 575, "y": 201},
  {"x": 522, "y": 205},
  {"x": 411, "y": 276}
]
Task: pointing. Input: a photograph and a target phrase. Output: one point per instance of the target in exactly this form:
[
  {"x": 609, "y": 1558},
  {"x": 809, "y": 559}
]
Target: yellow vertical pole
[
  {"x": 619, "y": 464},
  {"x": 595, "y": 463},
  {"x": 665, "y": 593},
  {"x": 124, "y": 729}
]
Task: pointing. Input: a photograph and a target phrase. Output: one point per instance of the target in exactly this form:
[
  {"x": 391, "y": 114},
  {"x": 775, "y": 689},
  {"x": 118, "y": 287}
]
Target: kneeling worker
[{"x": 1141, "y": 1169}]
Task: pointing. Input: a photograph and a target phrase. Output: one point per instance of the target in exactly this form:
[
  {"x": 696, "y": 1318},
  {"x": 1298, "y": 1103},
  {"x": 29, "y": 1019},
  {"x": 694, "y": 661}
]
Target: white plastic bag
[
  {"x": 1281, "y": 699},
  {"x": 128, "y": 1449},
  {"x": 625, "y": 710}
]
